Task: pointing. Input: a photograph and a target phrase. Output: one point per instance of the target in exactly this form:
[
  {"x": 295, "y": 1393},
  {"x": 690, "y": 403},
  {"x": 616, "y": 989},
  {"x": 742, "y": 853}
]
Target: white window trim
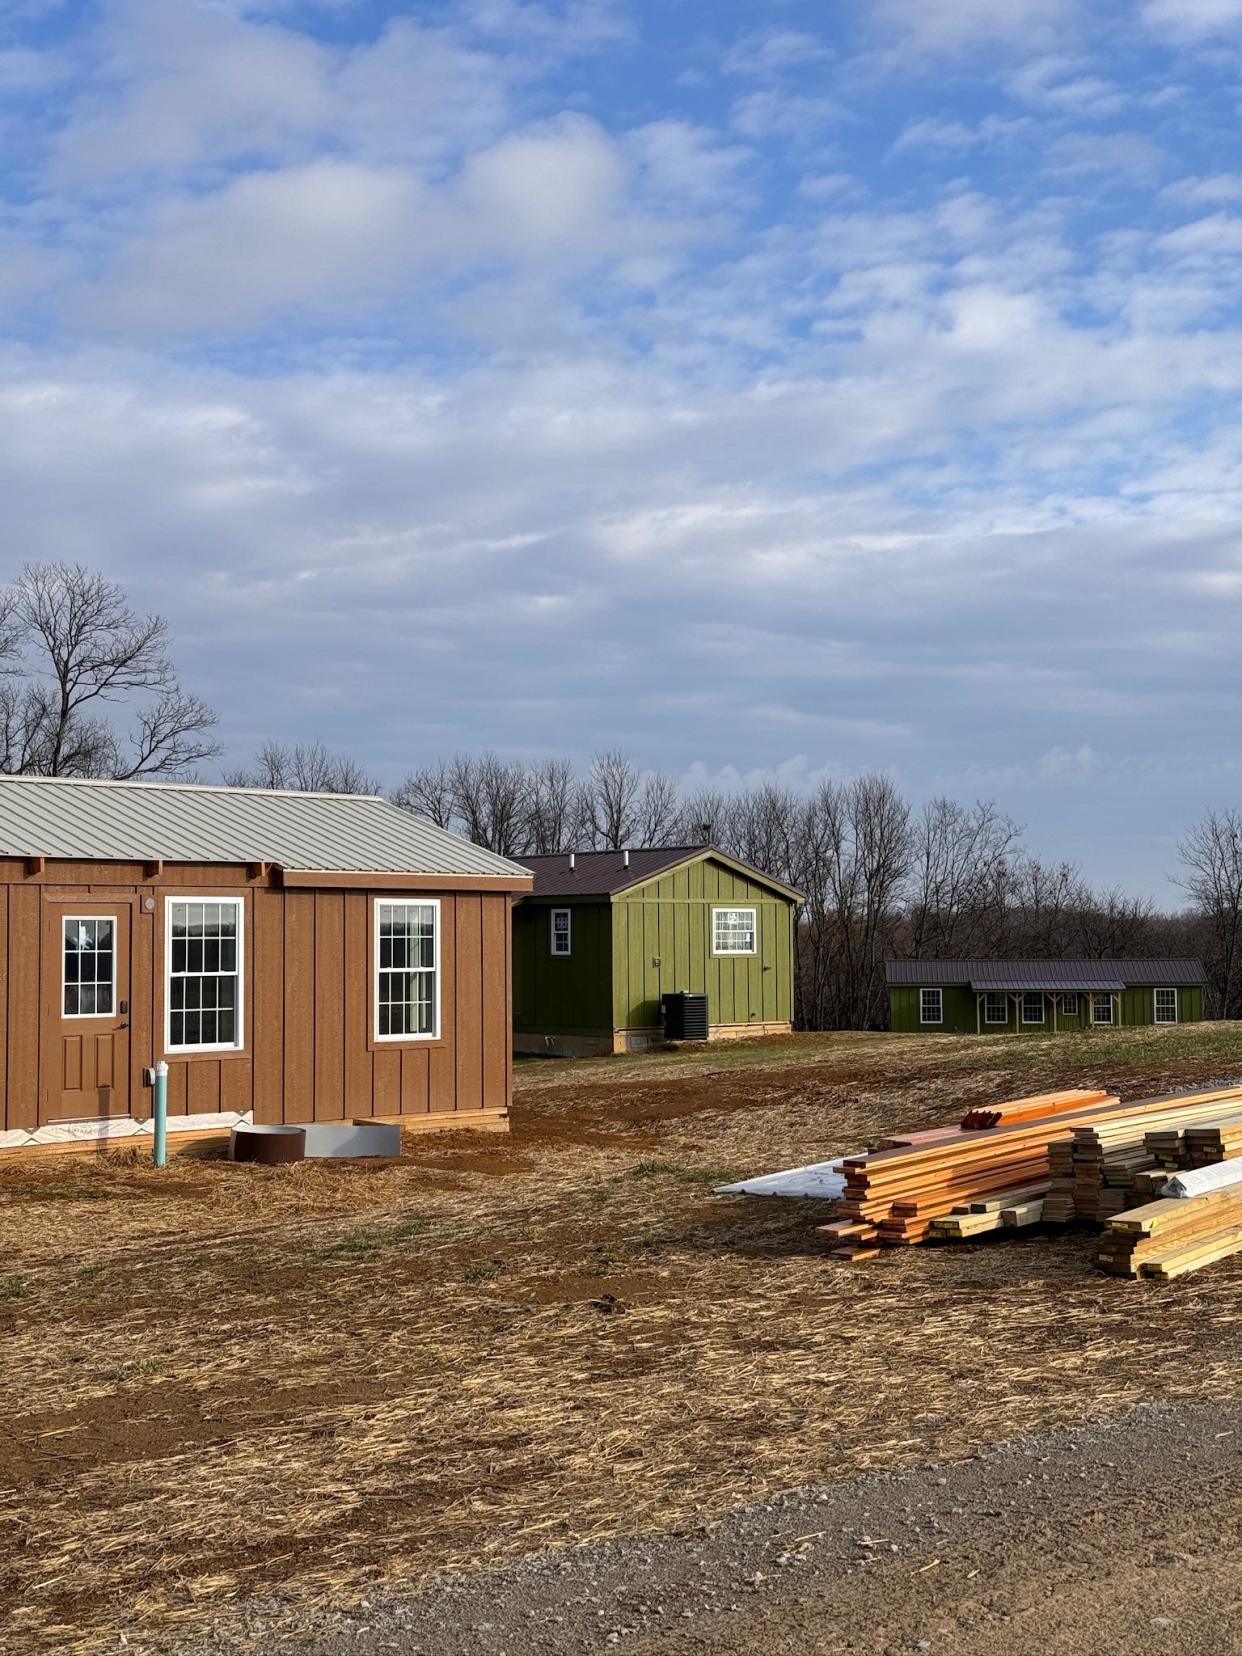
[
  {"x": 996, "y": 994},
  {"x": 1166, "y": 989},
  {"x": 561, "y": 954},
  {"x": 1043, "y": 1006},
  {"x": 1064, "y": 1011},
  {"x": 73, "y": 919},
  {"x": 1110, "y": 1021},
  {"x": 939, "y": 1018},
  {"x": 736, "y": 908},
  {"x": 237, "y": 1045},
  {"x": 404, "y": 902}
]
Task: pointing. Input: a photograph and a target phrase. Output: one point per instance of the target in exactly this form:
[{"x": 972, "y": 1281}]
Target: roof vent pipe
[
  {"x": 571, "y": 862},
  {"x": 625, "y": 858}
]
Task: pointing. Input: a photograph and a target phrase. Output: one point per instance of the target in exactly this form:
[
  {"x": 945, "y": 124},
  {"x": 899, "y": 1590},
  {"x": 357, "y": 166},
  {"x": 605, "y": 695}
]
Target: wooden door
[{"x": 86, "y": 998}]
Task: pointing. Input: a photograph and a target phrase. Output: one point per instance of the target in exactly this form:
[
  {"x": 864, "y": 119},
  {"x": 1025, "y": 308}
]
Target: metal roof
[
  {"x": 194, "y": 822},
  {"x": 1051, "y": 975},
  {"x": 605, "y": 873},
  {"x": 1083, "y": 985}
]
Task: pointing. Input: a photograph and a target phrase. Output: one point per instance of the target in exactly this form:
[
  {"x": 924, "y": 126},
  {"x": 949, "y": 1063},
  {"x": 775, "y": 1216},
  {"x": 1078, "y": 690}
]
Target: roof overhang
[
  {"x": 352, "y": 879},
  {"x": 709, "y": 852}
]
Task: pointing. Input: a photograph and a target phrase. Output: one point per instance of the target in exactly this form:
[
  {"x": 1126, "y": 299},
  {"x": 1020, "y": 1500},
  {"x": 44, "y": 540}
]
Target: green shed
[
  {"x": 605, "y": 935},
  {"x": 998, "y": 997}
]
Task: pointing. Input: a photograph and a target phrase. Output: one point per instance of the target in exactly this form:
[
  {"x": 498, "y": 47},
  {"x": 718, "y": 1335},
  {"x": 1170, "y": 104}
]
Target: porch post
[{"x": 978, "y": 1013}]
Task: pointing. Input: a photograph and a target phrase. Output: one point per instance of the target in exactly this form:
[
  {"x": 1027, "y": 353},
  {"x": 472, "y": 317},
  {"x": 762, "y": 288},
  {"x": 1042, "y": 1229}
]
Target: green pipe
[{"x": 160, "y": 1112}]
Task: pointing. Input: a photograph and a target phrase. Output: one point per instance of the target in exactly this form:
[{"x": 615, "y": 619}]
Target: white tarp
[
  {"x": 1198, "y": 1181},
  {"x": 826, "y": 1180}
]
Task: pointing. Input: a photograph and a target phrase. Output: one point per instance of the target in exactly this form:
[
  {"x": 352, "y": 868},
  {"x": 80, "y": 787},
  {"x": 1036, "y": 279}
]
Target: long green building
[
  {"x": 998, "y": 997},
  {"x": 605, "y": 936}
]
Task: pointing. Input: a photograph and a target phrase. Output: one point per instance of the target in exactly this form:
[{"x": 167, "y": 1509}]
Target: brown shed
[{"x": 292, "y": 957}]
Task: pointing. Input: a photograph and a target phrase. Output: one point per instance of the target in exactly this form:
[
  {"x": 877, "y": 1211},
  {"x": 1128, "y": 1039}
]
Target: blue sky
[{"x": 767, "y": 390}]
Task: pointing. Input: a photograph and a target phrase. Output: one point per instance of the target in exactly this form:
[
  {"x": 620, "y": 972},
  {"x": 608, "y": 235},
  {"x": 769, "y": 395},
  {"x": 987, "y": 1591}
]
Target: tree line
[{"x": 88, "y": 688}]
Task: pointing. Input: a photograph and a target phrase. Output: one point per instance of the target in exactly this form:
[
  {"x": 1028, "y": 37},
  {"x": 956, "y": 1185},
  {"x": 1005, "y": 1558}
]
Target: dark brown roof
[
  {"x": 605, "y": 873},
  {"x": 1083, "y": 975}
]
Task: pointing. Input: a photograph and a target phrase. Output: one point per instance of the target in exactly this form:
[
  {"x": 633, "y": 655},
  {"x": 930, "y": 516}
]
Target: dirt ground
[{"x": 298, "y": 1387}]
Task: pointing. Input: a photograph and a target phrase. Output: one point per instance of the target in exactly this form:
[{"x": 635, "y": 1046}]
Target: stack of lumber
[
  {"x": 1012, "y": 1211},
  {"x": 1037, "y": 1108},
  {"x": 1167, "y": 1238},
  {"x": 1213, "y": 1142},
  {"x": 895, "y": 1194},
  {"x": 1104, "y": 1166}
]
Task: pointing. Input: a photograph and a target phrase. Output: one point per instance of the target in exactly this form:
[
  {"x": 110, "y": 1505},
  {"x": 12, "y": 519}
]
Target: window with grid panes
[
  {"x": 89, "y": 966},
  {"x": 407, "y": 972},
  {"x": 204, "y": 973},
  {"x": 733, "y": 931}
]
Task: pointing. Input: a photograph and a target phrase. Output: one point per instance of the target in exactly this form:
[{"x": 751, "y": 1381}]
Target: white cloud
[
  {"x": 1192, "y": 20},
  {"x": 935, "y": 26},
  {"x": 689, "y": 164},
  {"x": 1060, "y": 764},
  {"x": 1066, "y": 86},
  {"x": 1129, "y": 154},
  {"x": 779, "y": 114},
  {"x": 774, "y": 52},
  {"x": 929, "y": 133},
  {"x": 177, "y": 88},
  {"x": 269, "y": 243},
  {"x": 548, "y": 190},
  {"x": 1209, "y": 190}
]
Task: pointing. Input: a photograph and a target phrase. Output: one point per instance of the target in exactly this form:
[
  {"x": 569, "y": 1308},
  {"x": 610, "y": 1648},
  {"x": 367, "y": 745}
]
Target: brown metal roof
[
  {"x": 606, "y": 873},
  {"x": 1083, "y": 975}
]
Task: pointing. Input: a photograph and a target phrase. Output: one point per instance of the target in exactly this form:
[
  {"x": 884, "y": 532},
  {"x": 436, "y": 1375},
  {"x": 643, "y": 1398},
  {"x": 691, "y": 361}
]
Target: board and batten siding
[
  {"x": 309, "y": 1049},
  {"x": 1138, "y": 1007},
  {"x": 569, "y": 994},
  {"x": 662, "y": 943}
]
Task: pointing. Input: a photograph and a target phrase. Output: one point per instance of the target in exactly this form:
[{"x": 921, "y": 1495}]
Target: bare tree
[
  {"x": 428, "y": 792},
  {"x": 307, "y": 767},
  {"x": 73, "y": 648},
  {"x": 1211, "y": 858},
  {"x": 960, "y": 878},
  {"x": 553, "y": 808},
  {"x": 609, "y": 801}
]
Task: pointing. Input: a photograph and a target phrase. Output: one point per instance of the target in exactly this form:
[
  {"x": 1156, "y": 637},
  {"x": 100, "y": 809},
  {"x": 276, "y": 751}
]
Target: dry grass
[{"x": 225, "y": 1381}]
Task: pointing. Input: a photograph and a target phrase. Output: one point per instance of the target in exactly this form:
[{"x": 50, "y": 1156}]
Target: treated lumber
[
  {"x": 1023, "y": 1213},
  {"x": 1037, "y": 1107}
]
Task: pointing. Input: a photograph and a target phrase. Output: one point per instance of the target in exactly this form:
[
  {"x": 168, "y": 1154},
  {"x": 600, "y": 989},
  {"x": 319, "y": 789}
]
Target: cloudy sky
[{"x": 764, "y": 389}]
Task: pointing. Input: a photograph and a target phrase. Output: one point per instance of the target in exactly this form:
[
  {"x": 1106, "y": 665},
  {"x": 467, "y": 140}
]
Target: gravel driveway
[{"x": 1110, "y": 1540}]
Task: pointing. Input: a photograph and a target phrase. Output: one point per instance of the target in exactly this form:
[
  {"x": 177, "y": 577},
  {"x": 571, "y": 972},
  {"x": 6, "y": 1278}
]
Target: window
[
  {"x": 1101, "y": 1009},
  {"x": 562, "y": 936},
  {"x": 203, "y": 951},
  {"x": 1069, "y": 1006},
  {"x": 1166, "y": 1006},
  {"x": 733, "y": 931},
  {"x": 931, "y": 1006},
  {"x": 996, "y": 1008},
  {"x": 88, "y": 971},
  {"x": 1032, "y": 1008},
  {"x": 407, "y": 971}
]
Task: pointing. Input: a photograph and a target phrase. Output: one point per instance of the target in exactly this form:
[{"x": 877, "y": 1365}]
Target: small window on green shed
[
  {"x": 562, "y": 934},
  {"x": 1032, "y": 1007},
  {"x": 931, "y": 1006},
  {"x": 1101, "y": 1009},
  {"x": 1166, "y": 1006},
  {"x": 996, "y": 1008},
  {"x": 1069, "y": 1006},
  {"x": 733, "y": 931}
]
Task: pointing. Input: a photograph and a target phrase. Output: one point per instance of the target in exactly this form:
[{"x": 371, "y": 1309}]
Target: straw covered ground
[{"x": 224, "y": 1382}]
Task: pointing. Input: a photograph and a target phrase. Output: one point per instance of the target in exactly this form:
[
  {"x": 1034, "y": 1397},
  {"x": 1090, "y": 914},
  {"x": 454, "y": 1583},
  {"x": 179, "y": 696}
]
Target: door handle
[{"x": 122, "y": 1026}]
